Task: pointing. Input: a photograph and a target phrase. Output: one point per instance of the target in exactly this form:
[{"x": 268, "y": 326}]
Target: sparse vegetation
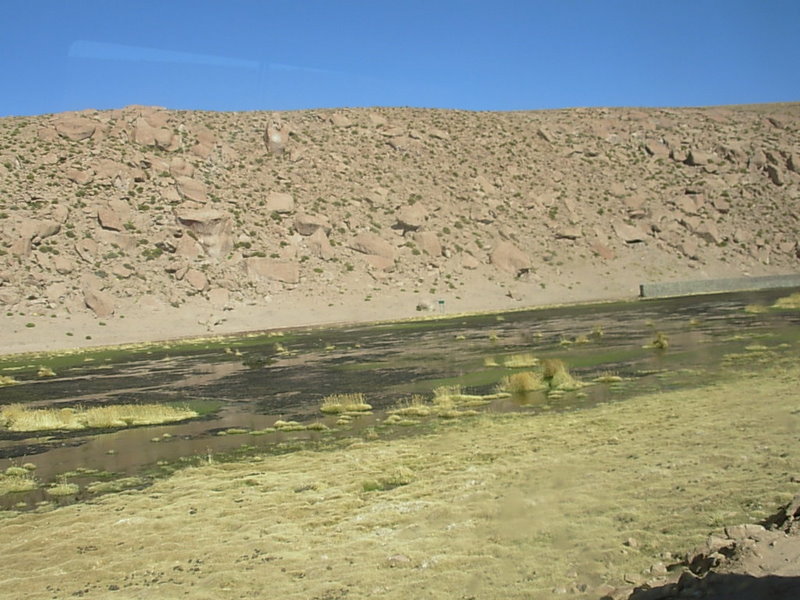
[{"x": 17, "y": 417}]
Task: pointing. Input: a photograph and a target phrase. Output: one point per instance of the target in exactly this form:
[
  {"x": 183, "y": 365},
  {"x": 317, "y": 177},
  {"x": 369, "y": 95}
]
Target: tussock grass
[
  {"x": 341, "y": 403},
  {"x": 7, "y": 380},
  {"x": 557, "y": 377},
  {"x": 17, "y": 417},
  {"x": 522, "y": 382},
  {"x": 45, "y": 372},
  {"x": 412, "y": 407},
  {"x": 520, "y": 361},
  {"x": 608, "y": 377},
  {"x": 792, "y": 301},
  {"x": 14, "y": 483},
  {"x": 63, "y": 489}
]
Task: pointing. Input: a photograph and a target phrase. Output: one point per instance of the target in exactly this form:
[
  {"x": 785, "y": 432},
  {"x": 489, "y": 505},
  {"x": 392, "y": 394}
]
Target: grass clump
[
  {"x": 399, "y": 477},
  {"x": 341, "y": 403},
  {"x": 519, "y": 383},
  {"x": 17, "y": 417},
  {"x": 7, "y": 380},
  {"x": 412, "y": 407},
  {"x": 63, "y": 489},
  {"x": 661, "y": 342},
  {"x": 45, "y": 372},
  {"x": 16, "y": 482},
  {"x": 520, "y": 361},
  {"x": 557, "y": 377},
  {"x": 792, "y": 302}
]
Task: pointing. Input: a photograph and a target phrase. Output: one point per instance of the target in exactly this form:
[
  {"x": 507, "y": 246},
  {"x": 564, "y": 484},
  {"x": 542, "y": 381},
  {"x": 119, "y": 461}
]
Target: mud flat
[{"x": 559, "y": 504}]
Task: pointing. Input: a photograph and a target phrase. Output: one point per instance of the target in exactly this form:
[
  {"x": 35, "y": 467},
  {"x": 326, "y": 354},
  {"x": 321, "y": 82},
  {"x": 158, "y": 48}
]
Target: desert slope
[{"x": 161, "y": 223}]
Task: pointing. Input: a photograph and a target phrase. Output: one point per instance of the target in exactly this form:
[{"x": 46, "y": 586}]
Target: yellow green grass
[
  {"x": 18, "y": 417},
  {"x": 508, "y": 506},
  {"x": 344, "y": 403}
]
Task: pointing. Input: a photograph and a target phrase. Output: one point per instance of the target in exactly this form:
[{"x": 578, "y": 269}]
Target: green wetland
[{"x": 262, "y": 392}]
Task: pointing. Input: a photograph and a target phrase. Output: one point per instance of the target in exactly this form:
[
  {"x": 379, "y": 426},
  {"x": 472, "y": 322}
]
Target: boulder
[
  {"x": 308, "y": 224},
  {"x": 429, "y": 243},
  {"x": 86, "y": 249},
  {"x": 775, "y": 174},
  {"x": 276, "y": 137},
  {"x": 267, "y": 268},
  {"x": 411, "y": 218},
  {"x": 708, "y": 231},
  {"x": 212, "y": 228},
  {"x": 568, "y": 232},
  {"x": 697, "y": 158},
  {"x": 63, "y": 265},
  {"x": 507, "y": 257},
  {"x": 630, "y": 234},
  {"x": 188, "y": 247},
  {"x": 196, "y": 279},
  {"x": 109, "y": 219},
  {"x": 79, "y": 176},
  {"x": 280, "y": 202},
  {"x": 793, "y": 163},
  {"x": 319, "y": 245},
  {"x": 180, "y": 167},
  {"x": 371, "y": 243},
  {"x": 101, "y": 303},
  {"x": 380, "y": 263},
  {"x": 468, "y": 261},
  {"x": 340, "y": 120},
  {"x": 191, "y": 189},
  {"x": 75, "y": 128},
  {"x": 602, "y": 250},
  {"x": 144, "y": 134},
  {"x": 38, "y": 229},
  {"x": 657, "y": 149}
]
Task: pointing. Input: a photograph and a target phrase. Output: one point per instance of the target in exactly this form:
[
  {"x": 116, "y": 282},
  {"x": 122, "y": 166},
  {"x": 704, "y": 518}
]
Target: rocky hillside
[{"x": 154, "y": 207}]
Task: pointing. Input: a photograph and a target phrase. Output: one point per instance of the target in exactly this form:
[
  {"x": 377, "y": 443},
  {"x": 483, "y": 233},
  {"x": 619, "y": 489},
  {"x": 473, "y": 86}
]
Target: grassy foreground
[{"x": 497, "y": 506}]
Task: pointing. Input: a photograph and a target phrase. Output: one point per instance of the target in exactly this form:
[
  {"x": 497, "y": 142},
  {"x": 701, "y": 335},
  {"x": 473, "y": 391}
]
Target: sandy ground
[
  {"x": 559, "y": 505},
  {"x": 148, "y": 320}
]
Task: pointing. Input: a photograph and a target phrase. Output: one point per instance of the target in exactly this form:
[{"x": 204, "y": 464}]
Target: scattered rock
[
  {"x": 428, "y": 242},
  {"x": 196, "y": 279},
  {"x": 319, "y": 245},
  {"x": 775, "y": 174},
  {"x": 109, "y": 219}
]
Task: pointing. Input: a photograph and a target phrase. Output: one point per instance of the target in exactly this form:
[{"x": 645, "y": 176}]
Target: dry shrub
[
  {"x": 552, "y": 367},
  {"x": 523, "y": 382}
]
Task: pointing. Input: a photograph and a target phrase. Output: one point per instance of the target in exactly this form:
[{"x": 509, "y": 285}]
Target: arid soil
[{"x": 144, "y": 223}]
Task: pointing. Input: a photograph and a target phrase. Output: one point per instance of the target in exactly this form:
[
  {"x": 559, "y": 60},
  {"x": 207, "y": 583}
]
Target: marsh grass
[
  {"x": 412, "y": 407},
  {"x": 791, "y": 302},
  {"x": 63, "y": 488},
  {"x": 7, "y": 380},
  {"x": 520, "y": 361},
  {"x": 17, "y": 417},
  {"x": 344, "y": 403},
  {"x": 557, "y": 376},
  {"x": 45, "y": 372},
  {"x": 17, "y": 482},
  {"x": 519, "y": 383}
]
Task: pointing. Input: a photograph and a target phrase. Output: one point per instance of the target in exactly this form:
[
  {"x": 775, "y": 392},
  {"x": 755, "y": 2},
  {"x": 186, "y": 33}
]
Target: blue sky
[{"x": 58, "y": 55}]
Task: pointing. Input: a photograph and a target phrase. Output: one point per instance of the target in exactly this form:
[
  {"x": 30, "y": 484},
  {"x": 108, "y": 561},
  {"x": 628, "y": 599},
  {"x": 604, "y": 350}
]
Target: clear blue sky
[{"x": 58, "y": 55}]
